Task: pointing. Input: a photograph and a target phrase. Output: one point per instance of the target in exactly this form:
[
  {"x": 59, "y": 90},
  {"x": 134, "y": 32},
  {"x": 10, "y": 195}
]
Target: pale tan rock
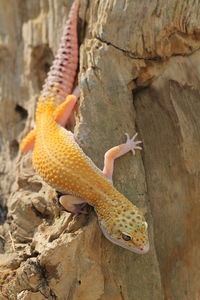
[
  {"x": 139, "y": 71},
  {"x": 27, "y": 295}
]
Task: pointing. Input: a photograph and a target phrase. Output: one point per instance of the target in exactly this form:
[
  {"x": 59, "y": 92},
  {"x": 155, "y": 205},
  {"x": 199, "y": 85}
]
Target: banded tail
[{"x": 61, "y": 76}]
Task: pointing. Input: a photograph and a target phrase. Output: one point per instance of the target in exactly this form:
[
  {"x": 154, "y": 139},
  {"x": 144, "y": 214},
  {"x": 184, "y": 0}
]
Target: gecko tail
[{"x": 61, "y": 76}]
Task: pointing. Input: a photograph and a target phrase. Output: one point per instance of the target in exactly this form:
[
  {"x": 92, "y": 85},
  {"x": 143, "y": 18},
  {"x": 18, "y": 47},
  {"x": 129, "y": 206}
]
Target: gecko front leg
[
  {"x": 75, "y": 204},
  {"x": 117, "y": 151}
]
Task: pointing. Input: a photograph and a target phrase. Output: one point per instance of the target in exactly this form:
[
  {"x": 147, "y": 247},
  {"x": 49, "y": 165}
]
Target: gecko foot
[
  {"x": 82, "y": 209},
  {"x": 73, "y": 204},
  {"x": 131, "y": 144}
]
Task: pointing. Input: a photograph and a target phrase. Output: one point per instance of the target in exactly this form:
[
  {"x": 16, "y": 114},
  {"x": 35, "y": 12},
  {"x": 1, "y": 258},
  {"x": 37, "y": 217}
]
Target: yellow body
[{"x": 63, "y": 165}]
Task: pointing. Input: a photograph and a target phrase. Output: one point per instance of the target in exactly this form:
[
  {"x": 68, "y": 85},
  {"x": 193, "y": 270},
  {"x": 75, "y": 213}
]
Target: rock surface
[{"x": 139, "y": 70}]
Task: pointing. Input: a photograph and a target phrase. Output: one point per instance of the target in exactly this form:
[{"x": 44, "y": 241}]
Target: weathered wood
[{"x": 139, "y": 71}]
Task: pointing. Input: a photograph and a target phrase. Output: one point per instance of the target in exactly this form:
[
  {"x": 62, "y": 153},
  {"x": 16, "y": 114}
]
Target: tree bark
[{"x": 139, "y": 71}]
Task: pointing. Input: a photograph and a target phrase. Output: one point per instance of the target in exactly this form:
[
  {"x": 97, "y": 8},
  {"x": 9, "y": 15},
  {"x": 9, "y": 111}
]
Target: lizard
[{"x": 61, "y": 162}]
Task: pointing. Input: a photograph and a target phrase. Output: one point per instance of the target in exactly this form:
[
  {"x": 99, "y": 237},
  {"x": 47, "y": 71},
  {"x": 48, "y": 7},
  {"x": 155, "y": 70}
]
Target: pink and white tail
[{"x": 61, "y": 76}]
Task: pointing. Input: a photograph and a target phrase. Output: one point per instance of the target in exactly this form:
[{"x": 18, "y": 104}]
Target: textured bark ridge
[{"x": 139, "y": 71}]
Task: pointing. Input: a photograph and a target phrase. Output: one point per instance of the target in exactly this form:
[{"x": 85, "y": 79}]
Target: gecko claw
[{"x": 131, "y": 144}]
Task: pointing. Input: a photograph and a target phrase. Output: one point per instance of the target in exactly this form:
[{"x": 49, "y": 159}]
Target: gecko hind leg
[
  {"x": 76, "y": 92},
  {"x": 64, "y": 110},
  {"x": 28, "y": 141},
  {"x": 117, "y": 151},
  {"x": 60, "y": 115},
  {"x": 73, "y": 204}
]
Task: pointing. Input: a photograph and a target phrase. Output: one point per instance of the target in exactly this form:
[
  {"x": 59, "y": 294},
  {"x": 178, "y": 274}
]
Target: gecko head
[{"x": 129, "y": 230}]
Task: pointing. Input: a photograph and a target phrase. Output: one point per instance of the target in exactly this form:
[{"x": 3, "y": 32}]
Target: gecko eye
[{"x": 126, "y": 237}]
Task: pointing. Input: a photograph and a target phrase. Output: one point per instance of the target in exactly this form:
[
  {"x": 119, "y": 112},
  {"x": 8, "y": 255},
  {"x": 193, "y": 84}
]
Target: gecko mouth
[{"x": 142, "y": 250}]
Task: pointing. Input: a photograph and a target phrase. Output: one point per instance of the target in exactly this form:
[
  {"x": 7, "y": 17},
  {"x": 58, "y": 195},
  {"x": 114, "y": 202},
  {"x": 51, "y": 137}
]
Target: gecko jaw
[{"x": 142, "y": 250}]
